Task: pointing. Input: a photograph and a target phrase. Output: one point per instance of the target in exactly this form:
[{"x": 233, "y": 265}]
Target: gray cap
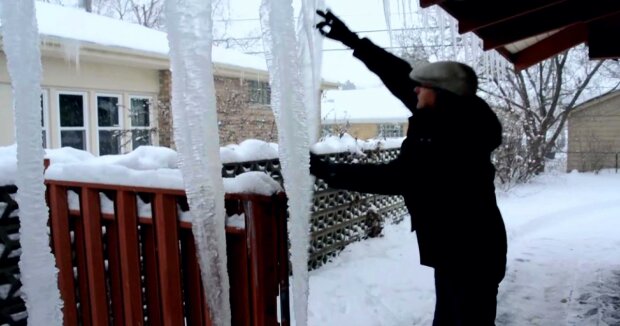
[{"x": 452, "y": 76}]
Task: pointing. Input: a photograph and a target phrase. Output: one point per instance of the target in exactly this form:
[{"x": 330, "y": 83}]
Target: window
[
  {"x": 72, "y": 120},
  {"x": 260, "y": 92},
  {"x": 44, "y": 120},
  {"x": 140, "y": 112},
  {"x": 390, "y": 130},
  {"x": 109, "y": 129}
]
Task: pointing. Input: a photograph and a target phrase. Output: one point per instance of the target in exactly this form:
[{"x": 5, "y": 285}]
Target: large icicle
[
  {"x": 190, "y": 37},
  {"x": 310, "y": 57},
  {"x": 387, "y": 12},
  {"x": 37, "y": 265},
  {"x": 277, "y": 23}
]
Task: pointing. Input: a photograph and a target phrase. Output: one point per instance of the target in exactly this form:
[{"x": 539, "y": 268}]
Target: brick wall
[
  {"x": 164, "y": 110},
  {"x": 238, "y": 119}
]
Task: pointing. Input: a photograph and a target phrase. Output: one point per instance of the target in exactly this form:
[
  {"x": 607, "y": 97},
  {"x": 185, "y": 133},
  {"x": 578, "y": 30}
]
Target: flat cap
[{"x": 451, "y": 76}]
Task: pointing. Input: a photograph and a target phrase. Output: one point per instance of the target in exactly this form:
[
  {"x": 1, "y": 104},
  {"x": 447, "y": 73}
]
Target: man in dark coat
[{"x": 443, "y": 171}]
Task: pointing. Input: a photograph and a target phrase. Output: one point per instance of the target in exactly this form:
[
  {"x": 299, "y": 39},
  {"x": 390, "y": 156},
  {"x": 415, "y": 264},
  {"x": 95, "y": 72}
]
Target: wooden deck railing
[{"x": 121, "y": 268}]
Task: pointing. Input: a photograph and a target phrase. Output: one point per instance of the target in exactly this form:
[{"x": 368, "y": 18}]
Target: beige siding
[
  {"x": 364, "y": 130},
  {"x": 594, "y": 136},
  {"x": 89, "y": 79},
  {"x": 7, "y": 134}
]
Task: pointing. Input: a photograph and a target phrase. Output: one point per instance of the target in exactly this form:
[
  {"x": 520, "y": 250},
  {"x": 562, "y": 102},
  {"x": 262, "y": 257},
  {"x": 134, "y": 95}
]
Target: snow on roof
[
  {"x": 372, "y": 105},
  {"x": 78, "y": 25}
]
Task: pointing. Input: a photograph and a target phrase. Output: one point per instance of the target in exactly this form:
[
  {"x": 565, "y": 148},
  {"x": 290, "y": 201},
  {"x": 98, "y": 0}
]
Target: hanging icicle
[
  {"x": 189, "y": 25},
  {"x": 37, "y": 264},
  {"x": 310, "y": 56},
  {"x": 387, "y": 12},
  {"x": 282, "y": 49}
]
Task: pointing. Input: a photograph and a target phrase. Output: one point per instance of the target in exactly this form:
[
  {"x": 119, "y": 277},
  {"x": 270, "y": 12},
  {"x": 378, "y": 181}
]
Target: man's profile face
[{"x": 426, "y": 97}]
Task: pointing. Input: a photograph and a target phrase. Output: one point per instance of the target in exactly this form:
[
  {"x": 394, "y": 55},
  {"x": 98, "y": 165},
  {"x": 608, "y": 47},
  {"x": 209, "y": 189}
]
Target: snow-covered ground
[
  {"x": 563, "y": 263},
  {"x": 563, "y": 229}
]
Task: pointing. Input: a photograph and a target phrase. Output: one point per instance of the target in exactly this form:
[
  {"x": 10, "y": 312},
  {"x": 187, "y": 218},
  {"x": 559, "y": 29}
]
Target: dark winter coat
[{"x": 444, "y": 172}]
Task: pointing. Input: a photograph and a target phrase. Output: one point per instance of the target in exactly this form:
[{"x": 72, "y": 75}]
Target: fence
[
  {"x": 124, "y": 268},
  {"x": 12, "y": 308},
  {"x": 338, "y": 218}
]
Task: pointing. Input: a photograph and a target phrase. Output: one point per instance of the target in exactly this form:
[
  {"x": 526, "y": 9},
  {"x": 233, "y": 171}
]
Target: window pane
[
  {"x": 109, "y": 142},
  {"x": 391, "y": 130},
  {"x": 140, "y": 112},
  {"x": 73, "y": 138},
  {"x": 140, "y": 137},
  {"x": 260, "y": 92},
  {"x": 107, "y": 110},
  {"x": 71, "y": 110}
]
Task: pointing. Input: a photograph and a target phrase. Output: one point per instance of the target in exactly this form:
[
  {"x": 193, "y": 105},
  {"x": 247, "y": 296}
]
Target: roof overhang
[
  {"x": 56, "y": 47},
  {"x": 527, "y": 32}
]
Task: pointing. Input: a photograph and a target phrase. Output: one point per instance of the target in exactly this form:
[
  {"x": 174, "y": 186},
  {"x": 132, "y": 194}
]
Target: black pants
[{"x": 466, "y": 298}]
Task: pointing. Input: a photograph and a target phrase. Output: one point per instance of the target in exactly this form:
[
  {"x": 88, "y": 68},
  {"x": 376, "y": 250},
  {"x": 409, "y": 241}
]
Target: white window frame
[
  {"x": 392, "y": 128},
  {"x": 120, "y": 119},
  {"x": 46, "y": 122},
  {"x": 85, "y": 126},
  {"x": 151, "y": 116},
  {"x": 261, "y": 94}
]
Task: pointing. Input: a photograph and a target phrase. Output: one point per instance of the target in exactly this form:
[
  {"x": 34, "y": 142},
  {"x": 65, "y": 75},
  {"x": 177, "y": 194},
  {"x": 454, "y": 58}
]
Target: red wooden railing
[{"x": 124, "y": 269}]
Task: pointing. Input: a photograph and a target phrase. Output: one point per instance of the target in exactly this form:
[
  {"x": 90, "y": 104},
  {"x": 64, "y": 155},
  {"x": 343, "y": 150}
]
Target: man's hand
[{"x": 334, "y": 28}]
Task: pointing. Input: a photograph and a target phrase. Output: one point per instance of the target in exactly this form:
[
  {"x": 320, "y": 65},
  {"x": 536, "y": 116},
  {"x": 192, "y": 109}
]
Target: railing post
[
  {"x": 195, "y": 304},
  {"x": 262, "y": 234},
  {"x": 153, "y": 293},
  {"x": 282, "y": 254},
  {"x": 239, "y": 274},
  {"x": 127, "y": 221},
  {"x": 59, "y": 215},
  {"x": 93, "y": 240},
  {"x": 167, "y": 236}
]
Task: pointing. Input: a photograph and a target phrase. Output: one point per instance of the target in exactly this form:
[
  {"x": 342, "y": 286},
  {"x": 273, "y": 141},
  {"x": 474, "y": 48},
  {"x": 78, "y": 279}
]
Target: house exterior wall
[
  {"x": 238, "y": 119},
  {"x": 88, "y": 79},
  {"x": 594, "y": 136},
  {"x": 364, "y": 130},
  {"x": 360, "y": 130}
]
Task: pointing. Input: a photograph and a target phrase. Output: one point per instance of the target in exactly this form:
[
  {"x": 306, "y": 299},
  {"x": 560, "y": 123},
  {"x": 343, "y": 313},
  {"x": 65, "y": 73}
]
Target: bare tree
[
  {"x": 148, "y": 13},
  {"x": 541, "y": 98}
]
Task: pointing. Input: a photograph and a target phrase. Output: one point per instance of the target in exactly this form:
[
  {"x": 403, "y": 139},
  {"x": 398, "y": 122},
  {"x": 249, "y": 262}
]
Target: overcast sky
[{"x": 364, "y": 16}]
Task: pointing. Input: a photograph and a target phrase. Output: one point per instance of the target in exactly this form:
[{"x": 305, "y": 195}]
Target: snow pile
[
  {"x": 153, "y": 166},
  {"x": 249, "y": 150},
  {"x": 346, "y": 143},
  {"x": 145, "y": 158},
  {"x": 8, "y": 165}
]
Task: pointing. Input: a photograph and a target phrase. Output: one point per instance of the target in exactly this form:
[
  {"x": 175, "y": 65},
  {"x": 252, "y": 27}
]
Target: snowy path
[
  {"x": 571, "y": 266},
  {"x": 563, "y": 264}
]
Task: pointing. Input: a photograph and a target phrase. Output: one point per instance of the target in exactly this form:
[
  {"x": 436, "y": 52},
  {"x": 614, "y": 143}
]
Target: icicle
[
  {"x": 453, "y": 37},
  {"x": 71, "y": 51},
  {"x": 441, "y": 26},
  {"x": 403, "y": 12},
  {"x": 387, "y": 12},
  {"x": 277, "y": 24},
  {"x": 310, "y": 57},
  {"x": 37, "y": 264},
  {"x": 189, "y": 25}
]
